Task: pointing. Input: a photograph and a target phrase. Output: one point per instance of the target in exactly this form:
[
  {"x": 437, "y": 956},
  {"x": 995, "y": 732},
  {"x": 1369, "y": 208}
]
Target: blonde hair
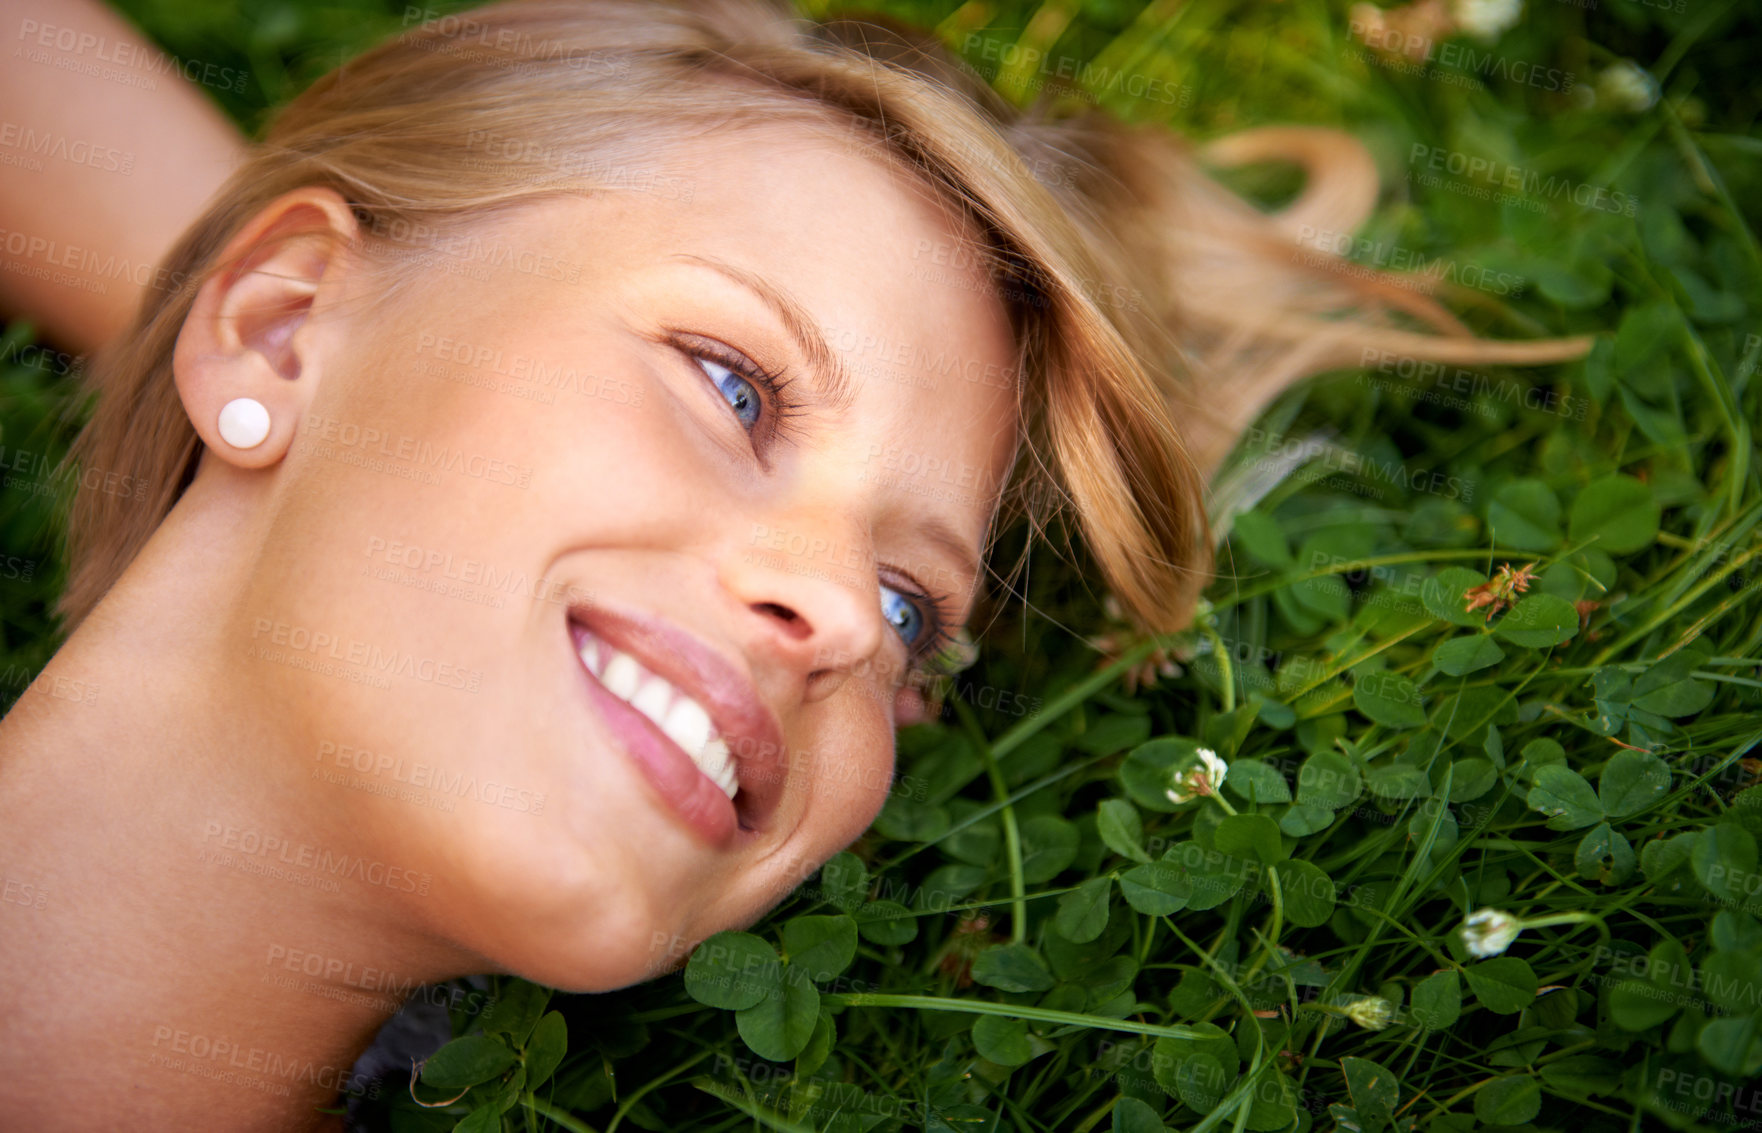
[{"x": 1157, "y": 313}]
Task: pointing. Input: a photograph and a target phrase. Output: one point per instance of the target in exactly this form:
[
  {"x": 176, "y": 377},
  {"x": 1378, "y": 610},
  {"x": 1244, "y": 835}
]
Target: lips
[
  {"x": 689, "y": 717},
  {"x": 674, "y": 711}
]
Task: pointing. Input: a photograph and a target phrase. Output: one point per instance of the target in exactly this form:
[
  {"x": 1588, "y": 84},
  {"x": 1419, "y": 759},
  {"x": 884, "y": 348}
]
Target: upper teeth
[{"x": 683, "y": 719}]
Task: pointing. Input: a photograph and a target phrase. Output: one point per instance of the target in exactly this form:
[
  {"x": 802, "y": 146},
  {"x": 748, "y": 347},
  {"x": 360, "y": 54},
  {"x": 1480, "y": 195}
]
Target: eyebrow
[
  {"x": 838, "y": 388},
  {"x": 939, "y": 531}
]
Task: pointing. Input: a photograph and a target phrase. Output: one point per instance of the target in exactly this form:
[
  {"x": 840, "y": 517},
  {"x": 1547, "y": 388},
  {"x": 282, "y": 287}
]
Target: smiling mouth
[
  {"x": 679, "y": 717},
  {"x": 687, "y": 714}
]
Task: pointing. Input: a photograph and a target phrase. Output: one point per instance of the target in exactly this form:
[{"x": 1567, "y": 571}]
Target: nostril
[
  {"x": 788, "y": 623},
  {"x": 781, "y": 613}
]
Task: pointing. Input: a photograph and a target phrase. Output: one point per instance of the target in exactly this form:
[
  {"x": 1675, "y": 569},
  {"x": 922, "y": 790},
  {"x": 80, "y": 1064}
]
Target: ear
[{"x": 249, "y": 332}]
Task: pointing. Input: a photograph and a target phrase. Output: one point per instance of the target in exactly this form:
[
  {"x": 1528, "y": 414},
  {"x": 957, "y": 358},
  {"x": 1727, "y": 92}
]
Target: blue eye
[
  {"x": 740, "y": 394},
  {"x": 902, "y": 614}
]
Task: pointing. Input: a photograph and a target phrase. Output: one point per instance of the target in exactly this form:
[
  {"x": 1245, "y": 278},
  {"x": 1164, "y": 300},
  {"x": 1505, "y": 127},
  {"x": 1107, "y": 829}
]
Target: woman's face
[{"x": 582, "y": 530}]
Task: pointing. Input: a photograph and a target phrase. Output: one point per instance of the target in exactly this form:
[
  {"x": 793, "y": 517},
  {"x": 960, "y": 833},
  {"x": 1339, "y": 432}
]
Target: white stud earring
[{"x": 244, "y": 422}]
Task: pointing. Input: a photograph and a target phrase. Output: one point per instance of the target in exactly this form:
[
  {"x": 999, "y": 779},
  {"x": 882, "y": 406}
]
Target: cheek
[
  {"x": 854, "y": 783},
  {"x": 848, "y": 772}
]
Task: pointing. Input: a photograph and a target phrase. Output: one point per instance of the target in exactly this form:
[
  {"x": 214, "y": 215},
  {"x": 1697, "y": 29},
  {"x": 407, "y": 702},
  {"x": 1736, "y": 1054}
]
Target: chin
[
  {"x": 572, "y": 917},
  {"x": 601, "y": 942}
]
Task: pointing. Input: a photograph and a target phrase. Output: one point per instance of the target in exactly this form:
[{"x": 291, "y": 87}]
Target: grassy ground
[{"x": 1494, "y": 644}]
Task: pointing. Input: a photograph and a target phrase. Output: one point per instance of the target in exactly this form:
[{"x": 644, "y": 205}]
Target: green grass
[{"x": 1033, "y": 937}]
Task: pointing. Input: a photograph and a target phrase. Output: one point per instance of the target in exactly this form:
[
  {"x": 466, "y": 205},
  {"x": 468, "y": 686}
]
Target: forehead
[
  {"x": 867, "y": 245},
  {"x": 882, "y": 270}
]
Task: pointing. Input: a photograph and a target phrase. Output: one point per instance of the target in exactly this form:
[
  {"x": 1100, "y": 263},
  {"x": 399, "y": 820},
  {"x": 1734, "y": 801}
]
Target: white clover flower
[
  {"x": 1488, "y": 932},
  {"x": 1486, "y": 19},
  {"x": 1372, "y": 1012},
  {"x": 1201, "y": 779},
  {"x": 1625, "y": 85}
]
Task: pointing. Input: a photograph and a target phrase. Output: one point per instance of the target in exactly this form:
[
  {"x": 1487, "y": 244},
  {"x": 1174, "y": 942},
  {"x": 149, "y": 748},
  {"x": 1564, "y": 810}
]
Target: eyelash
[
  {"x": 938, "y": 617},
  {"x": 780, "y": 405},
  {"x": 779, "y": 408}
]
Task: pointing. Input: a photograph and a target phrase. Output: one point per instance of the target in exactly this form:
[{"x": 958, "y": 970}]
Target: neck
[{"x": 186, "y": 937}]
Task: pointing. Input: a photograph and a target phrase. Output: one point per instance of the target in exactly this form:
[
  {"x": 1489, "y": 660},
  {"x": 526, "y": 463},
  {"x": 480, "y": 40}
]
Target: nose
[{"x": 813, "y": 595}]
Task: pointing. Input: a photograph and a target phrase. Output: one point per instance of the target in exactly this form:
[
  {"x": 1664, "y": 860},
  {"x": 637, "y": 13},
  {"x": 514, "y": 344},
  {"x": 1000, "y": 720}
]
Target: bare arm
[{"x": 107, "y": 153}]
